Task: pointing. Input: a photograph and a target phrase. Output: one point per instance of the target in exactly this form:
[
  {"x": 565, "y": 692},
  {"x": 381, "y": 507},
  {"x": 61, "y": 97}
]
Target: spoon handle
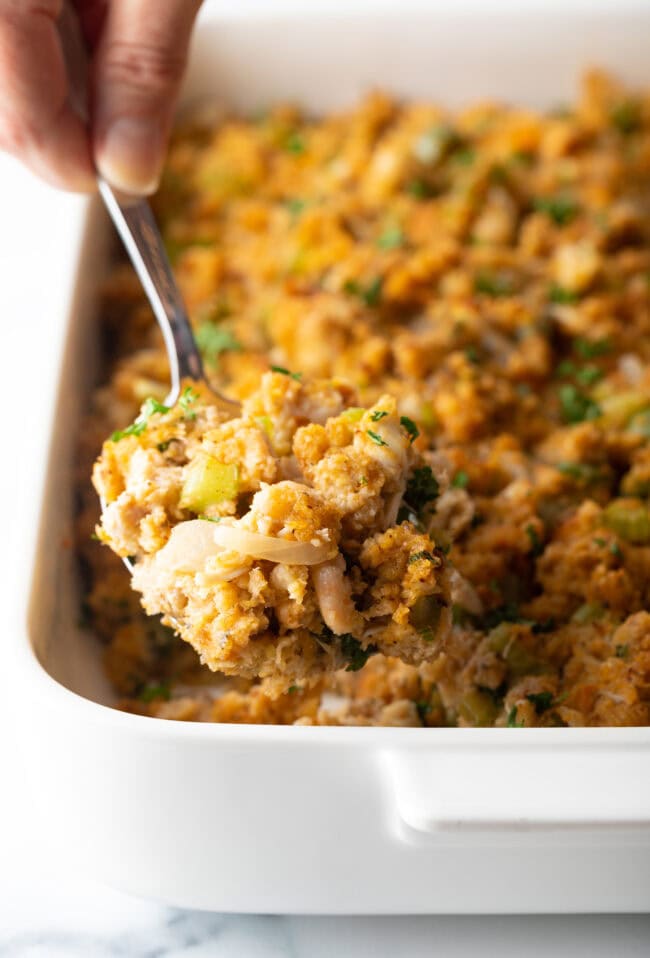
[{"x": 134, "y": 222}]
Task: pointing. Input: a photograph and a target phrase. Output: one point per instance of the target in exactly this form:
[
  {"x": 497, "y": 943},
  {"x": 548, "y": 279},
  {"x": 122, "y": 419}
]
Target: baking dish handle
[{"x": 484, "y": 788}]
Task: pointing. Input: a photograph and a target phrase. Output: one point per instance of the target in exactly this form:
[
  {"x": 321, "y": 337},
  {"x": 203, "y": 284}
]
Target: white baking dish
[{"x": 332, "y": 820}]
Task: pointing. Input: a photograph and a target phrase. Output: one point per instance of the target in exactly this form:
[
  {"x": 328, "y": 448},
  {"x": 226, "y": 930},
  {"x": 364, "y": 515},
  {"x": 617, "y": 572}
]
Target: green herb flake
[
  {"x": 294, "y": 143},
  {"x": 601, "y": 543},
  {"x": 295, "y": 207},
  {"x": 560, "y": 209},
  {"x": 376, "y": 438},
  {"x": 565, "y": 369},
  {"x": 286, "y": 372},
  {"x": 410, "y": 427},
  {"x": 370, "y": 294},
  {"x": 419, "y": 189},
  {"x": 592, "y": 348},
  {"x": 626, "y": 117},
  {"x": 355, "y": 654},
  {"x": 464, "y": 157},
  {"x": 423, "y": 709},
  {"x": 589, "y": 375},
  {"x": 292, "y": 689},
  {"x": 512, "y": 718},
  {"x": 559, "y": 294},
  {"x": 378, "y": 414},
  {"x": 418, "y": 556},
  {"x": 421, "y": 488},
  {"x": 460, "y": 480},
  {"x": 213, "y": 340},
  {"x": 576, "y": 406},
  {"x": 616, "y": 550},
  {"x": 580, "y": 471},
  {"x": 148, "y": 408},
  {"x": 537, "y": 546},
  {"x": 472, "y": 355},
  {"x": 490, "y": 284},
  {"x": 391, "y": 238},
  {"x": 187, "y": 400},
  {"x": 152, "y": 692},
  {"x": 622, "y": 651},
  {"x": 541, "y": 700}
]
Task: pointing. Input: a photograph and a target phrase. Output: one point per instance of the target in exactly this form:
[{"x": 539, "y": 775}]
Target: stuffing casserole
[{"x": 481, "y": 281}]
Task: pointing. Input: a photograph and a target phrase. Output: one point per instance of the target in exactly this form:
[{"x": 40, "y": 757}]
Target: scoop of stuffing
[{"x": 284, "y": 543}]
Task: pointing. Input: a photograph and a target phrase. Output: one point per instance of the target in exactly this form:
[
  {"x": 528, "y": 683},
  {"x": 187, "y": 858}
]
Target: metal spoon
[
  {"x": 134, "y": 221},
  {"x": 137, "y": 227}
]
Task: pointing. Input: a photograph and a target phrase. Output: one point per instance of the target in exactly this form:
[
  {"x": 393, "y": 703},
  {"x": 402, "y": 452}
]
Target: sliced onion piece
[
  {"x": 272, "y": 548},
  {"x": 190, "y": 544}
]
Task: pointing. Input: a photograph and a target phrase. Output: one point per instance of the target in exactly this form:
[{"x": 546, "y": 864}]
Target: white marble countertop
[{"x": 46, "y": 909}]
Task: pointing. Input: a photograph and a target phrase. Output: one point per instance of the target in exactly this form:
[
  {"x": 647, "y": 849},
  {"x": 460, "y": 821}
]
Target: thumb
[{"x": 138, "y": 67}]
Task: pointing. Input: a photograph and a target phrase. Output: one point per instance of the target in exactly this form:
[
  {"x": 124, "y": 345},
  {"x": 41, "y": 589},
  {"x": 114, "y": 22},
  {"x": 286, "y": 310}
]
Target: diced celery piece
[
  {"x": 478, "y": 707},
  {"x": 425, "y": 614},
  {"x": 265, "y": 423},
  {"x": 428, "y": 417},
  {"x": 629, "y": 519},
  {"x": 589, "y": 612},
  {"x": 619, "y": 408},
  {"x": 209, "y": 482},
  {"x": 353, "y": 414}
]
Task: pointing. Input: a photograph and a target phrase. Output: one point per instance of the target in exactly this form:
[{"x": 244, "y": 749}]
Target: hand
[{"x": 137, "y": 54}]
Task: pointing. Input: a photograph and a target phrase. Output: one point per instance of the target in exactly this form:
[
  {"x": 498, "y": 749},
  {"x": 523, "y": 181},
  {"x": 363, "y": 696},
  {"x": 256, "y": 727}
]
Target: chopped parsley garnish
[
  {"x": 149, "y": 407},
  {"x": 354, "y": 653},
  {"x": 292, "y": 689},
  {"x": 565, "y": 368},
  {"x": 464, "y": 157},
  {"x": 560, "y": 209},
  {"x": 558, "y": 294},
  {"x": 213, "y": 340},
  {"x": 422, "y": 708},
  {"x": 420, "y": 189},
  {"x": 541, "y": 700},
  {"x": 580, "y": 471},
  {"x": 294, "y": 143},
  {"x": 295, "y": 206},
  {"x": 576, "y": 406},
  {"x": 391, "y": 238},
  {"x": 512, "y": 718},
  {"x": 491, "y": 284},
  {"x": 537, "y": 546},
  {"x": 589, "y": 375},
  {"x": 417, "y": 556},
  {"x": 460, "y": 480},
  {"x": 187, "y": 400},
  {"x": 376, "y": 438},
  {"x": 622, "y": 651},
  {"x": 151, "y": 692},
  {"x": 592, "y": 348},
  {"x": 626, "y": 117},
  {"x": 286, "y": 372},
  {"x": 616, "y": 550},
  {"x": 378, "y": 414},
  {"x": 411, "y": 428},
  {"x": 472, "y": 355},
  {"x": 164, "y": 446},
  {"x": 370, "y": 294},
  {"x": 421, "y": 488}
]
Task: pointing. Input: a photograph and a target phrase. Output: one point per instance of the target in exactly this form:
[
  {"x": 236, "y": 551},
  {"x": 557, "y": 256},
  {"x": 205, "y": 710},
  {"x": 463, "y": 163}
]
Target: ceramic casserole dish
[{"x": 329, "y": 819}]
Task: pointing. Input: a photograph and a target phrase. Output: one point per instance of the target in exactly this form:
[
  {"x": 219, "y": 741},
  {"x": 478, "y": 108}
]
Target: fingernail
[{"x": 131, "y": 155}]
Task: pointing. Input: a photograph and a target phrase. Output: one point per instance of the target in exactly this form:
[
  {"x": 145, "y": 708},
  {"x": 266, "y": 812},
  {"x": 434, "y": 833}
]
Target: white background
[{"x": 46, "y": 910}]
